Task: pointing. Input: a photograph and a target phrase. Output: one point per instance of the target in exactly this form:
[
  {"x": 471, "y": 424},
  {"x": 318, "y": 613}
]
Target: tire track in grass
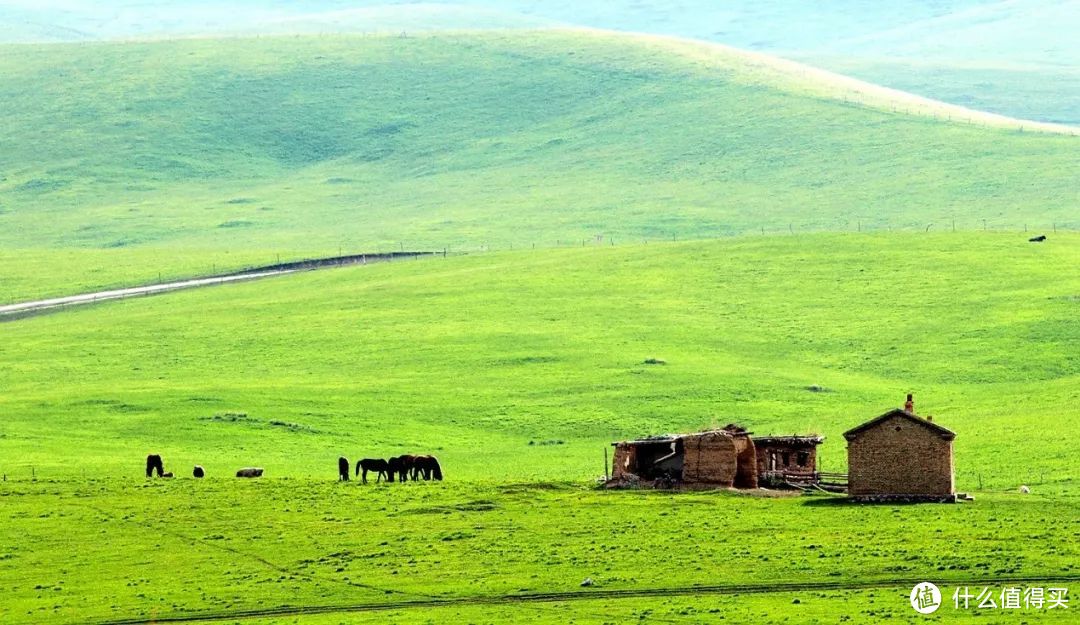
[{"x": 583, "y": 595}]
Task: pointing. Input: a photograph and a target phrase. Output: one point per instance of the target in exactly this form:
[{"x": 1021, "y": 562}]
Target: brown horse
[
  {"x": 428, "y": 467},
  {"x": 375, "y": 465}
]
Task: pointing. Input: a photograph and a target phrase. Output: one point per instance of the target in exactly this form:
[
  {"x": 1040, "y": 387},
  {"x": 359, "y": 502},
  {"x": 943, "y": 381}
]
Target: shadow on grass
[{"x": 839, "y": 501}]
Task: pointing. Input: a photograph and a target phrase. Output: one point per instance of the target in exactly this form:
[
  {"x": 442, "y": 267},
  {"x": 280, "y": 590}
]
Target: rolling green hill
[
  {"x": 139, "y": 159},
  {"x": 977, "y": 53}
]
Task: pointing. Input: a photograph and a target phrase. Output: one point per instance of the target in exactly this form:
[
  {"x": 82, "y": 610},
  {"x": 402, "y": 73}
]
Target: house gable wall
[{"x": 899, "y": 457}]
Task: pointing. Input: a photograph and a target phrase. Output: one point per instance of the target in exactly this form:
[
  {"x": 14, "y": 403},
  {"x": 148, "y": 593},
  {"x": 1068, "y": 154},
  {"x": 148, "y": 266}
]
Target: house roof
[
  {"x": 788, "y": 440},
  {"x": 944, "y": 433},
  {"x": 669, "y": 438}
]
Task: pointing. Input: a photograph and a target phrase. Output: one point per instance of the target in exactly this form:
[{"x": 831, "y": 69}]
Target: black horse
[
  {"x": 376, "y": 465},
  {"x": 402, "y": 466},
  {"x": 154, "y": 464},
  {"x": 343, "y": 469},
  {"x": 427, "y": 467}
]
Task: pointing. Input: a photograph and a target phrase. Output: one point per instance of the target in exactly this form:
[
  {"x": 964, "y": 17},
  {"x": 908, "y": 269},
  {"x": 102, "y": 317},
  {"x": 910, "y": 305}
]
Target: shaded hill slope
[{"x": 139, "y": 158}]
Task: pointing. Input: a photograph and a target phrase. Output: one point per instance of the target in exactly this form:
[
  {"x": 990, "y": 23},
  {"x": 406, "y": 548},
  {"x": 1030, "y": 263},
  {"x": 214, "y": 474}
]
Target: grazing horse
[
  {"x": 428, "y": 467},
  {"x": 343, "y": 469},
  {"x": 400, "y": 465},
  {"x": 154, "y": 464},
  {"x": 375, "y": 465},
  {"x": 1038, "y": 239}
]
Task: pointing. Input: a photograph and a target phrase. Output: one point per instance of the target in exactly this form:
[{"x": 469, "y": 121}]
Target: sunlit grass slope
[
  {"x": 526, "y": 364},
  {"x": 224, "y": 152}
]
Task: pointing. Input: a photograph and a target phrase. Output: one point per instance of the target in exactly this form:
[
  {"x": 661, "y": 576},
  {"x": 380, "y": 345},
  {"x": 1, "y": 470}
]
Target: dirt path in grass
[
  {"x": 22, "y": 308},
  {"x": 19, "y": 310},
  {"x": 584, "y": 595}
]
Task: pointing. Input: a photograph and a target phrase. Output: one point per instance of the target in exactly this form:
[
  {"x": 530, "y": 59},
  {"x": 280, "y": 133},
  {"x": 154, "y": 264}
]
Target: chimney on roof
[
  {"x": 909, "y": 405},
  {"x": 929, "y": 417}
]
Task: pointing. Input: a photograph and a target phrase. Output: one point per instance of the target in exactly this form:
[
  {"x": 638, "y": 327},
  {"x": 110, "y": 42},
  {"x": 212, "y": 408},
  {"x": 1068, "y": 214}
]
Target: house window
[
  {"x": 803, "y": 458},
  {"x": 787, "y": 458}
]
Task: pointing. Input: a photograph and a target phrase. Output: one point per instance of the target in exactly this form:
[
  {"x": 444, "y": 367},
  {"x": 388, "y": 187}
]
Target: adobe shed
[
  {"x": 717, "y": 458},
  {"x": 900, "y": 456},
  {"x": 783, "y": 459}
]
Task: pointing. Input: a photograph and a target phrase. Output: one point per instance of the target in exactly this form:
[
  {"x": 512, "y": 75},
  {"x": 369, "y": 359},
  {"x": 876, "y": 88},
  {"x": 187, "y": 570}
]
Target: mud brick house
[
  {"x": 714, "y": 459},
  {"x": 783, "y": 459},
  {"x": 725, "y": 458},
  {"x": 900, "y": 456}
]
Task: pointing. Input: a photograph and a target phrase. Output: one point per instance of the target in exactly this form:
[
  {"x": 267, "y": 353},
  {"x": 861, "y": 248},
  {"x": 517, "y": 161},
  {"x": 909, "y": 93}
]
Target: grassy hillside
[
  {"x": 537, "y": 358},
  {"x": 964, "y": 51},
  {"x": 1024, "y": 91},
  {"x": 128, "y": 156},
  {"x": 517, "y": 369}
]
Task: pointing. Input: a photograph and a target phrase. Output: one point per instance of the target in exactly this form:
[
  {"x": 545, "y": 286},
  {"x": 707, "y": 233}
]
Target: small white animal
[{"x": 1024, "y": 489}]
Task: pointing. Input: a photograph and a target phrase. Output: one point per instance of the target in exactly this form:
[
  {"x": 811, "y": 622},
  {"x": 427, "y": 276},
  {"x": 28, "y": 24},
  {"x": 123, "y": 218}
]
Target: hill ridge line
[{"x": 817, "y": 81}]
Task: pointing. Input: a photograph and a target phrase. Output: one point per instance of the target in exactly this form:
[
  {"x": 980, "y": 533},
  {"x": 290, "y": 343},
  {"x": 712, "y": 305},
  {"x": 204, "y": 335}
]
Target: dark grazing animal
[
  {"x": 343, "y": 469},
  {"x": 198, "y": 472},
  {"x": 400, "y": 466},
  {"x": 375, "y": 465},
  {"x": 154, "y": 464},
  {"x": 1038, "y": 239},
  {"x": 167, "y": 474},
  {"x": 249, "y": 472},
  {"x": 427, "y": 467}
]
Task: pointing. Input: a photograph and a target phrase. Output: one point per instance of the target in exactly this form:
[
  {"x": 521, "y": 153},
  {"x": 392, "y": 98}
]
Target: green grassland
[
  {"x": 979, "y": 53},
  {"x": 128, "y": 163},
  {"x": 1024, "y": 91},
  {"x": 108, "y": 549},
  {"x": 136, "y": 158},
  {"x": 517, "y": 369},
  {"x": 482, "y": 359}
]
